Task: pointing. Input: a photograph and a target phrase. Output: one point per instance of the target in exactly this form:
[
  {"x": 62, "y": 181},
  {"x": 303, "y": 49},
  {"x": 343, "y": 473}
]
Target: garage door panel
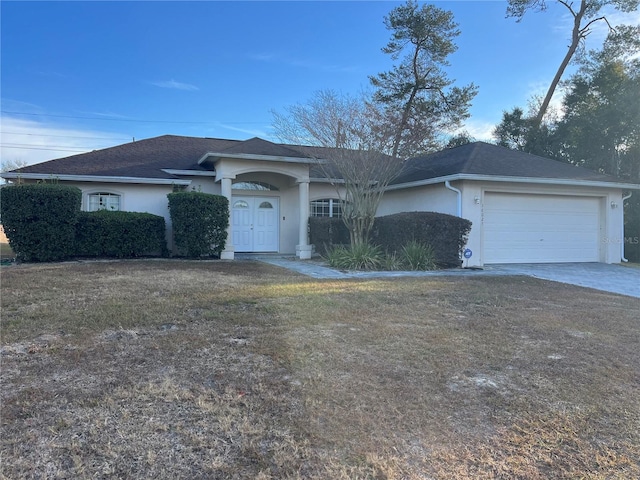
[{"x": 521, "y": 228}]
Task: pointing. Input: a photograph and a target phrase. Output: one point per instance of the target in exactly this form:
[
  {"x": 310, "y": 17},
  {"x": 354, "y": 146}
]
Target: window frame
[
  {"x": 107, "y": 194},
  {"x": 333, "y": 208},
  {"x": 254, "y": 186}
]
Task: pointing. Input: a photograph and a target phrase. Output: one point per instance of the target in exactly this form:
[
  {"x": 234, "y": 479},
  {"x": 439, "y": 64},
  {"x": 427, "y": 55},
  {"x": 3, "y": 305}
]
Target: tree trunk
[
  {"x": 407, "y": 107},
  {"x": 576, "y": 36}
]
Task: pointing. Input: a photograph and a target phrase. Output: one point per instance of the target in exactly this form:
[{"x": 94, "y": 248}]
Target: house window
[
  {"x": 266, "y": 205},
  {"x": 104, "y": 201},
  {"x": 240, "y": 204},
  {"x": 326, "y": 207},
  {"x": 256, "y": 186}
]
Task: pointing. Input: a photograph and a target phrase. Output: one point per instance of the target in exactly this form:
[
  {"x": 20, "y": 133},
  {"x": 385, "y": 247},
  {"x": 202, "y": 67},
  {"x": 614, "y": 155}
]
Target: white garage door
[{"x": 522, "y": 228}]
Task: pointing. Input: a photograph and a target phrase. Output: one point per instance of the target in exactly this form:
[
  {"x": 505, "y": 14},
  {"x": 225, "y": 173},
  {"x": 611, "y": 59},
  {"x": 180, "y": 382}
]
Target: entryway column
[
  {"x": 228, "y": 252},
  {"x": 303, "y": 249}
]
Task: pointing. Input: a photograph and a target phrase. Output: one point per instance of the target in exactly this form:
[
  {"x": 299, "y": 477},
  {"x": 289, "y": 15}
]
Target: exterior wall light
[{"x": 614, "y": 205}]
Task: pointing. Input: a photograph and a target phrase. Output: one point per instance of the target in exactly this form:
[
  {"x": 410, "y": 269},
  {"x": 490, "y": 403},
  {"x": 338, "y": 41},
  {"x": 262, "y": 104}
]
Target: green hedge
[
  {"x": 325, "y": 232},
  {"x": 40, "y": 220},
  {"x": 120, "y": 234},
  {"x": 446, "y": 234},
  {"x": 632, "y": 228},
  {"x": 200, "y": 222}
]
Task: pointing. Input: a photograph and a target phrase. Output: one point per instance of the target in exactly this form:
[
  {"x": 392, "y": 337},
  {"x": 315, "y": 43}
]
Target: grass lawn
[{"x": 178, "y": 369}]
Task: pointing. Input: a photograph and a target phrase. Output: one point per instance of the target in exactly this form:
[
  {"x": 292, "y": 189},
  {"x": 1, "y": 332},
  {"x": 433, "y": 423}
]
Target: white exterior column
[
  {"x": 228, "y": 252},
  {"x": 303, "y": 249}
]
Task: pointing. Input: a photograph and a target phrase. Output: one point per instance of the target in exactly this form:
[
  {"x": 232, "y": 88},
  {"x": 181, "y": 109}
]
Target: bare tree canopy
[
  {"x": 8, "y": 165},
  {"x": 349, "y": 150}
]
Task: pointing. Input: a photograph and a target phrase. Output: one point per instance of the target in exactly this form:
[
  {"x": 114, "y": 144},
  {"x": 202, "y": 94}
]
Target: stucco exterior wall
[
  {"x": 318, "y": 191},
  {"x": 428, "y": 198},
  {"x": 133, "y": 198},
  {"x": 436, "y": 198},
  {"x": 204, "y": 185}
]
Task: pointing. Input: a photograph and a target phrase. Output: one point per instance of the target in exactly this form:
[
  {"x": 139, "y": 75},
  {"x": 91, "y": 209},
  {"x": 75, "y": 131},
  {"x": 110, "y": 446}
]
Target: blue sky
[{"x": 78, "y": 76}]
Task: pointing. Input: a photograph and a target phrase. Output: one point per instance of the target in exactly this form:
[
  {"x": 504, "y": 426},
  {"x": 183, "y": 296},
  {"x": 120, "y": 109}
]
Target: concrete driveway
[{"x": 624, "y": 280}]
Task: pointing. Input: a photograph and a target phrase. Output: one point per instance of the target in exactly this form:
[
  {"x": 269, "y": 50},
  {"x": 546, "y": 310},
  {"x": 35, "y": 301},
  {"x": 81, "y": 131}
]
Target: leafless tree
[{"x": 345, "y": 138}]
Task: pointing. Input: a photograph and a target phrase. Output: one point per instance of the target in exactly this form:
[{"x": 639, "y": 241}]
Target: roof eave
[
  {"x": 247, "y": 156},
  {"x": 326, "y": 180},
  {"x": 194, "y": 173},
  {"x": 535, "y": 180},
  {"x": 95, "y": 178}
]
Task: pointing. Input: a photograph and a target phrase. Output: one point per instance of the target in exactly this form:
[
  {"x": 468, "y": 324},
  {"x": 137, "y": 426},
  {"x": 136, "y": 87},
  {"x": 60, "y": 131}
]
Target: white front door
[{"x": 255, "y": 224}]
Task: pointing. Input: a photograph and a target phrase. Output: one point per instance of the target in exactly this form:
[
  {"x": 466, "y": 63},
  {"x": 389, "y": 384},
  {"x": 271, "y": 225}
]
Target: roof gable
[
  {"x": 484, "y": 159},
  {"x": 258, "y": 146}
]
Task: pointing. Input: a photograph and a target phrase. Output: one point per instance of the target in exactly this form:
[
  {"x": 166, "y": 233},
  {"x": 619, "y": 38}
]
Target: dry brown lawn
[{"x": 233, "y": 370}]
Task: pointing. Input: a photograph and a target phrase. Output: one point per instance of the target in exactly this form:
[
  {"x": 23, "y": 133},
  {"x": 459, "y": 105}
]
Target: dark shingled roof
[
  {"x": 148, "y": 158},
  {"x": 258, "y": 146},
  {"x": 481, "y": 158},
  {"x": 140, "y": 159}
]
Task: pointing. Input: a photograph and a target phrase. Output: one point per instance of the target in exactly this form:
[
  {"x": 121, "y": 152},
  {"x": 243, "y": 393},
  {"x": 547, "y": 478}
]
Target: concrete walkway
[{"x": 609, "y": 278}]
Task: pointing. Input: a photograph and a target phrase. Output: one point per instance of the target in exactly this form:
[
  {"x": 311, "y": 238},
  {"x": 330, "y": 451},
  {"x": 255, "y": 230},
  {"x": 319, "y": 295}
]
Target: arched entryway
[
  {"x": 269, "y": 206},
  {"x": 255, "y": 226}
]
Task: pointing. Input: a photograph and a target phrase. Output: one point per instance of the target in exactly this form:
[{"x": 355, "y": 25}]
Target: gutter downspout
[
  {"x": 448, "y": 185},
  {"x": 622, "y": 236}
]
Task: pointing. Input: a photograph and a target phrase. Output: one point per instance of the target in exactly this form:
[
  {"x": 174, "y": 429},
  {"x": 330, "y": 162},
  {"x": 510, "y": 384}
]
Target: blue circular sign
[{"x": 467, "y": 253}]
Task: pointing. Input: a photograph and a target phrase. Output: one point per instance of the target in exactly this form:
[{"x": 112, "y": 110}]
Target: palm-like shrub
[
  {"x": 418, "y": 256},
  {"x": 356, "y": 257}
]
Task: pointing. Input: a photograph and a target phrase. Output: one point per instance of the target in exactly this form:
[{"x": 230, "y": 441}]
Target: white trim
[
  {"x": 99, "y": 191},
  {"x": 400, "y": 186},
  {"x": 492, "y": 178},
  {"x": 254, "y": 170},
  {"x": 332, "y": 202},
  {"x": 96, "y": 178},
  {"x": 194, "y": 173},
  {"x": 447, "y": 185},
  {"x": 622, "y": 243},
  {"x": 248, "y": 156},
  {"x": 326, "y": 180}
]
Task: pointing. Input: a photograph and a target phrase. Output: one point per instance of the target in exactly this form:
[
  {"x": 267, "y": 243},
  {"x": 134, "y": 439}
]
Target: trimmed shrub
[
  {"x": 446, "y": 234},
  {"x": 326, "y": 232},
  {"x": 40, "y": 220},
  {"x": 632, "y": 229},
  {"x": 120, "y": 234},
  {"x": 200, "y": 222}
]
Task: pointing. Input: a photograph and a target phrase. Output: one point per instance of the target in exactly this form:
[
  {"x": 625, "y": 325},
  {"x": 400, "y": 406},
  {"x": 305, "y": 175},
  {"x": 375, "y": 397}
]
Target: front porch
[{"x": 269, "y": 207}]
